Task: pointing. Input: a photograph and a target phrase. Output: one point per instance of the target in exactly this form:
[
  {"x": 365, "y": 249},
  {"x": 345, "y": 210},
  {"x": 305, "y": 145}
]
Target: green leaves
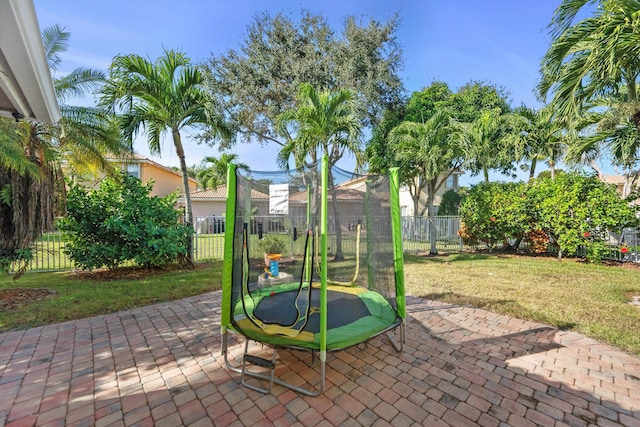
[
  {"x": 574, "y": 211},
  {"x": 259, "y": 81},
  {"x": 120, "y": 222}
]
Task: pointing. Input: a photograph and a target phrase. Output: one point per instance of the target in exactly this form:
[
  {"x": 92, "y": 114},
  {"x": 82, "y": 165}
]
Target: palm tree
[
  {"x": 609, "y": 129},
  {"x": 165, "y": 96},
  {"x": 426, "y": 150},
  {"x": 84, "y": 135},
  {"x": 323, "y": 123},
  {"x": 216, "y": 174},
  {"x": 541, "y": 136},
  {"x": 597, "y": 56},
  {"x": 483, "y": 143},
  {"x": 31, "y": 177}
]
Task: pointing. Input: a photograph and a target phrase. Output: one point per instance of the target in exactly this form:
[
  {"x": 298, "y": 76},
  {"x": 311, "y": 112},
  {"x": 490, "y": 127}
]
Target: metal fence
[{"x": 208, "y": 239}]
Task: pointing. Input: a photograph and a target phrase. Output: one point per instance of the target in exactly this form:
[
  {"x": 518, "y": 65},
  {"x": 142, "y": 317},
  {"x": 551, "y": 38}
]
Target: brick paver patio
[{"x": 161, "y": 365}]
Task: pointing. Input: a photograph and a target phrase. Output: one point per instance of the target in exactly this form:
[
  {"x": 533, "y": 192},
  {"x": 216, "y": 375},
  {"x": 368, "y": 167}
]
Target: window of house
[
  {"x": 133, "y": 169},
  {"x": 451, "y": 182}
]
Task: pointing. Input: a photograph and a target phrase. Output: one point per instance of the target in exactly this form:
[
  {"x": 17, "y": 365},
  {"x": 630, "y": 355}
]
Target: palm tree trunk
[
  {"x": 188, "y": 213},
  {"x": 432, "y": 223},
  {"x": 532, "y": 169}
]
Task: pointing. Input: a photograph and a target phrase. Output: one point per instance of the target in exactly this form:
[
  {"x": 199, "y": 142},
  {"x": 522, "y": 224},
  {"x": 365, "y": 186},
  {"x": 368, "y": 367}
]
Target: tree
[
  {"x": 260, "y": 81},
  {"x": 541, "y": 136},
  {"x": 215, "y": 175},
  {"x": 324, "y": 123},
  {"x": 426, "y": 149},
  {"x": 591, "y": 69},
  {"x": 165, "y": 96},
  {"x": 451, "y": 201},
  {"x": 32, "y": 188},
  {"x": 594, "y": 57},
  {"x": 484, "y": 143},
  {"x": 475, "y": 97},
  {"x": 84, "y": 135},
  {"x": 481, "y": 107}
]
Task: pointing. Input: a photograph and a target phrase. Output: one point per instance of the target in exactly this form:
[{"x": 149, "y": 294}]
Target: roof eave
[{"x": 25, "y": 77}]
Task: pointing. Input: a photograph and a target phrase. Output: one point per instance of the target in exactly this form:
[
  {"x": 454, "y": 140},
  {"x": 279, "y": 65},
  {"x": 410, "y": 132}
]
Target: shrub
[
  {"x": 119, "y": 222},
  {"x": 578, "y": 212},
  {"x": 495, "y": 212}
]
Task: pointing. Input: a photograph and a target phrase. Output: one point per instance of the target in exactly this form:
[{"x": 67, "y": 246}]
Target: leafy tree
[
  {"x": 426, "y": 149},
  {"x": 260, "y": 80},
  {"x": 424, "y": 104},
  {"x": 216, "y": 174},
  {"x": 379, "y": 158},
  {"x": 474, "y": 97},
  {"x": 482, "y": 109},
  {"x": 31, "y": 177},
  {"x": 609, "y": 130},
  {"x": 120, "y": 222},
  {"x": 324, "y": 123},
  {"x": 165, "y": 96}
]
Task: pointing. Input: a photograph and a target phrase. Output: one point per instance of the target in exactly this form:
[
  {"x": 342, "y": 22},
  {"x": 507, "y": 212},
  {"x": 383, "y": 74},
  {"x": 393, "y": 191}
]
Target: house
[
  {"x": 619, "y": 182},
  {"x": 166, "y": 180},
  {"x": 406, "y": 202},
  {"x": 213, "y": 202},
  {"x": 26, "y": 87},
  {"x": 209, "y": 208}
]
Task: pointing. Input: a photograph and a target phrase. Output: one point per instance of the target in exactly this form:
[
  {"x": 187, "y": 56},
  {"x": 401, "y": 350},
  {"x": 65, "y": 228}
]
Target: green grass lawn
[
  {"x": 590, "y": 299},
  {"x": 570, "y": 294},
  {"x": 80, "y": 295}
]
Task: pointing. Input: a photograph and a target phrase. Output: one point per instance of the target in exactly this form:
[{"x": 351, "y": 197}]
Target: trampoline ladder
[
  {"x": 269, "y": 364},
  {"x": 261, "y": 362}
]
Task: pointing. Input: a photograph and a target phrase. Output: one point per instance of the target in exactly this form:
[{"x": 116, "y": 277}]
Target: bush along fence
[{"x": 208, "y": 240}]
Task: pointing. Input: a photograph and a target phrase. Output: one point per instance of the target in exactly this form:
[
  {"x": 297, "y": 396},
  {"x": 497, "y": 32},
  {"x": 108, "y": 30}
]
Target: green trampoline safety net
[{"x": 277, "y": 298}]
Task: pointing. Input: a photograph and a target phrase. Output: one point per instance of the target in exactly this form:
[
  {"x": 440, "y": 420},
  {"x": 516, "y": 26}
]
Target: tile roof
[{"x": 220, "y": 192}]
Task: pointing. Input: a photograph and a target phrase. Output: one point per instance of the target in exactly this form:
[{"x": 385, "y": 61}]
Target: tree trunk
[
  {"x": 485, "y": 171},
  {"x": 188, "y": 213},
  {"x": 29, "y": 209},
  {"x": 433, "y": 231},
  {"x": 532, "y": 169}
]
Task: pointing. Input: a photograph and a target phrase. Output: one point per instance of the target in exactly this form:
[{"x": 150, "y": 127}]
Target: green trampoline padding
[{"x": 353, "y": 315}]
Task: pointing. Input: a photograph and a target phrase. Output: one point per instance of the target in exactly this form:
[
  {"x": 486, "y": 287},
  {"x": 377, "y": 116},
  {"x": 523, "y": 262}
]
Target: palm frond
[{"x": 55, "y": 40}]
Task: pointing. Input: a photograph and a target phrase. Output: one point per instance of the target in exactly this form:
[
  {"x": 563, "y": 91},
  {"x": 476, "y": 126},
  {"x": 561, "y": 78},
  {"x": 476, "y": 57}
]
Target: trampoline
[{"x": 340, "y": 281}]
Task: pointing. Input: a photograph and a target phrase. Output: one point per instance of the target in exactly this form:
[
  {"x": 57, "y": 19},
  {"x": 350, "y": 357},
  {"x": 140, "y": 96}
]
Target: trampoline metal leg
[{"x": 398, "y": 345}]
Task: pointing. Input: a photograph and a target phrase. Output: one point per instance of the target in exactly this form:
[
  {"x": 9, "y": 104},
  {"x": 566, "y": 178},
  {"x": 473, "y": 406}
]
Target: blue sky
[{"x": 499, "y": 41}]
